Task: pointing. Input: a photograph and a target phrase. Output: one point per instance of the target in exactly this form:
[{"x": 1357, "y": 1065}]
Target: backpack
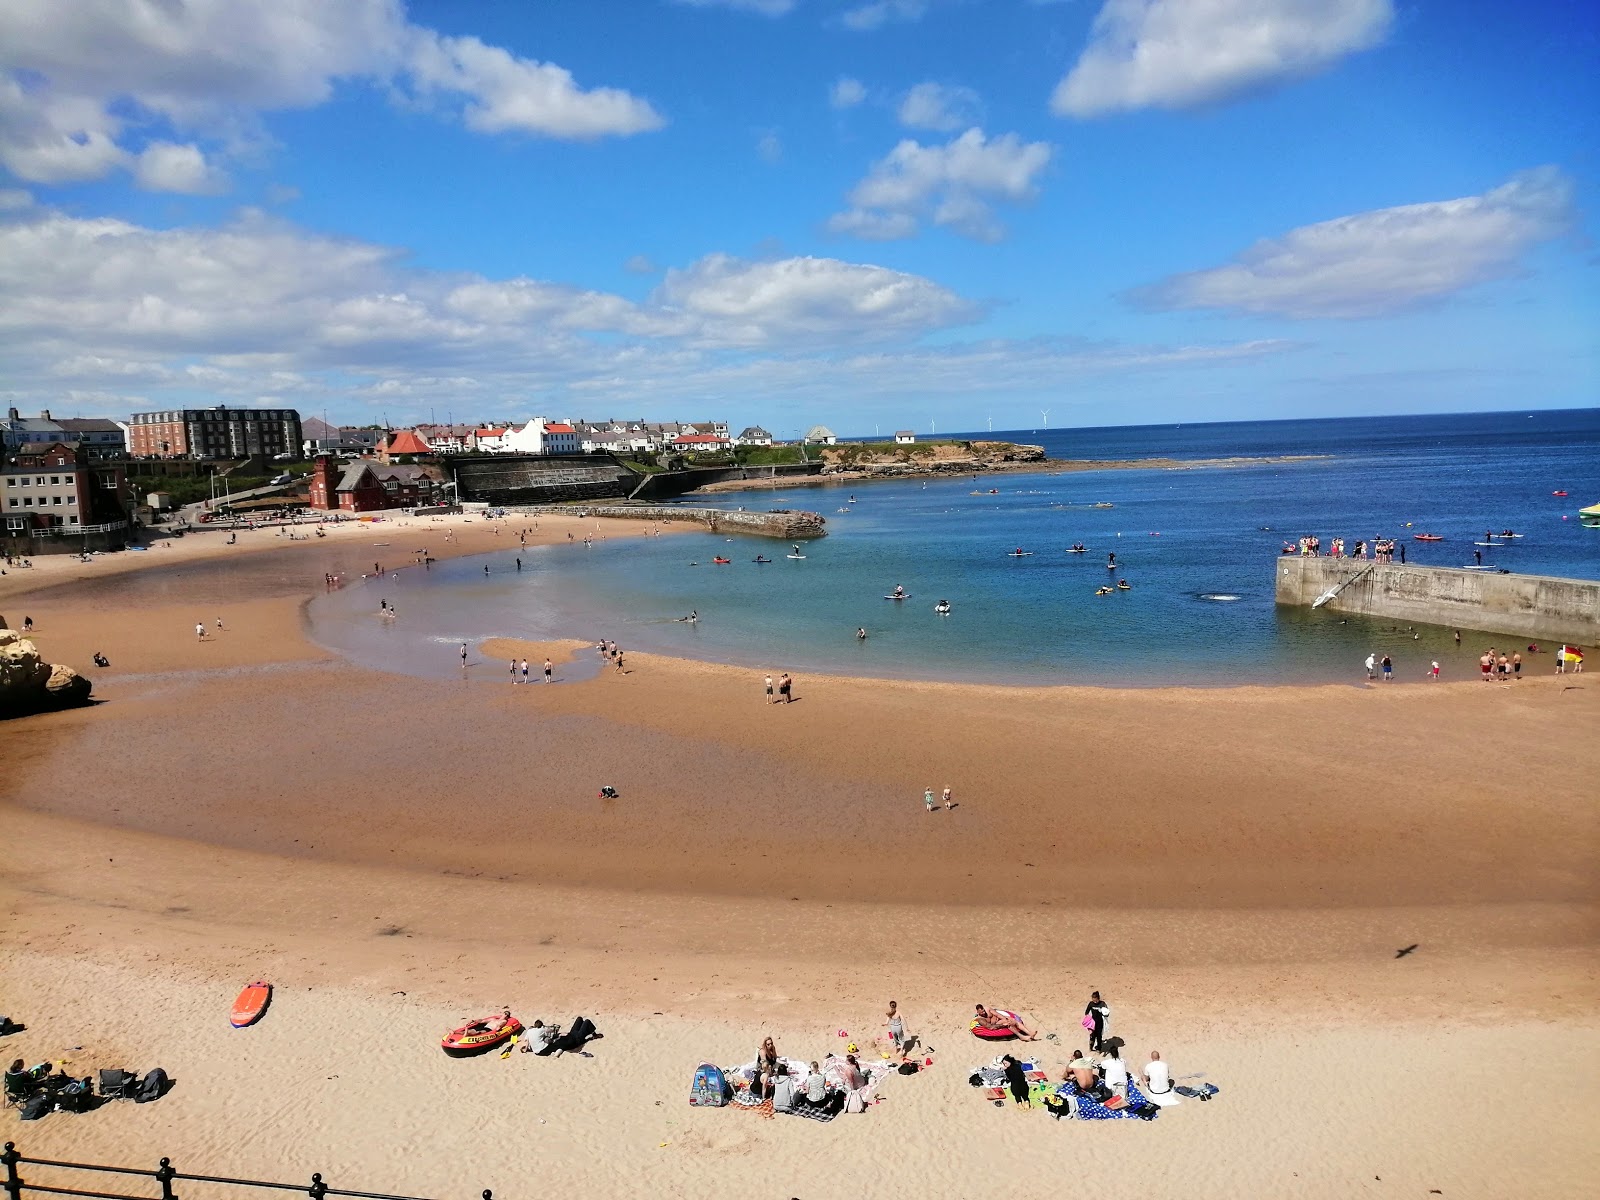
[
  {"x": 908, "y": 1068},
  {"x": 710, "y": 1087},
  {"x": 35, "y": 1107},
  {"x": 151, "y": 1087}
]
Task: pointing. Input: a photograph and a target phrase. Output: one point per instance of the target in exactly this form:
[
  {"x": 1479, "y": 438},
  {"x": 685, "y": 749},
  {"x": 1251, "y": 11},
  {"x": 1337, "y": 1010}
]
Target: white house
[
  {"x": 904, "y": 437},
  {"x": 541, "y": 436},
  {"x": 490, "y": 439},
  {"x": 821, "y": 435},
  {"x": 754, "y": 436}
]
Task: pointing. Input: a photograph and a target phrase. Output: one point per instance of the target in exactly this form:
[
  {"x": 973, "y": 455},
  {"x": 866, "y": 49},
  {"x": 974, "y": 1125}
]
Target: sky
[{"x": 864, "y": 213}]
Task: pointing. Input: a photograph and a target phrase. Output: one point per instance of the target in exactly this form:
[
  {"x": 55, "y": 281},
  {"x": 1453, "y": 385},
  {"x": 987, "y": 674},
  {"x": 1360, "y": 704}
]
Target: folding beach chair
[{"x": 117, "y": 1084}]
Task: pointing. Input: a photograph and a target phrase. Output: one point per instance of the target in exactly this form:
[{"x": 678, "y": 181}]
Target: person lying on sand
[{"x": 993, "y": 1020}]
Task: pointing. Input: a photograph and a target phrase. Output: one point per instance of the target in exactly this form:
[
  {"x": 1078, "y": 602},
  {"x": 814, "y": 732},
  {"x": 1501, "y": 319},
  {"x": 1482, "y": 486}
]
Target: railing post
[
  {"x": 13, "y": 1180},
  {"x": 164, "y": 1176},
  {"x": 318, "y": 1189}
]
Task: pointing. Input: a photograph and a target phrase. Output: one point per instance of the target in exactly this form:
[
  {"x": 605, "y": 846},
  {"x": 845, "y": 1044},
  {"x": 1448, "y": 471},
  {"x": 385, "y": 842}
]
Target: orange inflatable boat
[{"x": 480, "y": 1034}]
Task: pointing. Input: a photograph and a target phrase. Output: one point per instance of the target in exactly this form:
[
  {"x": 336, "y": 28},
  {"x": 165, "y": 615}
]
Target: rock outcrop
[
  {"x": 876, "y": 460},
  {"x": 28, "y": 684}
]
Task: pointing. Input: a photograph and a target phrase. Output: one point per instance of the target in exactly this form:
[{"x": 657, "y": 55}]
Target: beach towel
[
  {"x": 826, "y": 1111},
  {"x": 1093, "y": 1110}
]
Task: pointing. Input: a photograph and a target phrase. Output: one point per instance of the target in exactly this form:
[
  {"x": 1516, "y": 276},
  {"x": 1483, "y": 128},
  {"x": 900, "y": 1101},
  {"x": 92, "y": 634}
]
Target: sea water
[{"x": 1198, "y": 547}]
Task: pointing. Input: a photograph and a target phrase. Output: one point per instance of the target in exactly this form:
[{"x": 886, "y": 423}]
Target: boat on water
[
  {"x": 1558, "y": 493},
  {"x": 1589, "y": 517},
  {"x": 1105, "y": 591},
  {"x": 722, "y": 562},
  {"x": 1431, "y": 537}
]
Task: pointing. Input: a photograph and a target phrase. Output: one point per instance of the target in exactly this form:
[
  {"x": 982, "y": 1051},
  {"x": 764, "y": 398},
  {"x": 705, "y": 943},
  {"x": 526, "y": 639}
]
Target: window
[
  {"x": 73, "y": 519},
  {"x": 56, "y": 500},
  {"x": 55, "y": 480},
  {"x": 27, "y": 502},
  {"x": 12, "y": 502},
  {"x": 72, "y": 499},
  {"x": 39, "y": 481},
  {"x": 11, "y": 481},
  {"x": 16, "y": 522}
]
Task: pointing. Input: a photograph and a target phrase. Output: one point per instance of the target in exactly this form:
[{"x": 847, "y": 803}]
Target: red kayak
[
  {"x": 722, "y": 562},
  {"x": 1428, "y": 537}
]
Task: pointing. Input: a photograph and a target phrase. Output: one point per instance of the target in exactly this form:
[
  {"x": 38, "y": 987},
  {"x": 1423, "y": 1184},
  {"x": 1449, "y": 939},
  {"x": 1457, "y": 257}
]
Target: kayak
[
  {"x": 1427, "y": 537},
  {"x": 480, "y": 1035},
  {"x": 722, "y": 562},
  {"x": 906, "y": 596}
]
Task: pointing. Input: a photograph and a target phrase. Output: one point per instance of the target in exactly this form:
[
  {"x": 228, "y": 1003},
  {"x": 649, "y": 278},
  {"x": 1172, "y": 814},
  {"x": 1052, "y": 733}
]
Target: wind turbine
[{"x": 1045, "y": 413}]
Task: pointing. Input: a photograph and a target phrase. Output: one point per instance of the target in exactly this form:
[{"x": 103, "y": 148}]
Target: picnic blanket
[
  {"x": 1093, "y": 1110},
  {"x": 826, "y": 1111}
]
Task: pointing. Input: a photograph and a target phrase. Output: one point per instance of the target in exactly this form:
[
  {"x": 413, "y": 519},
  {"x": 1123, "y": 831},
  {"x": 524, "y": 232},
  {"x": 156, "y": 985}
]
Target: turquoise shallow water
[{"x": 1191, "y": 544}]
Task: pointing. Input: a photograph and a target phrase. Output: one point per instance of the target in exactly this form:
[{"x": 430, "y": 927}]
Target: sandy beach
[{"x": 1234, "y": 869}]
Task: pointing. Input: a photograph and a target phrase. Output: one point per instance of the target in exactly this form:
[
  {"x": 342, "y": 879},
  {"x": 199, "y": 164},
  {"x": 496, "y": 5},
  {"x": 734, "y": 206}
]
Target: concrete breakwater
[
  {"x": 1536, "y": 606},
  {"x": 777, "y": 523}
]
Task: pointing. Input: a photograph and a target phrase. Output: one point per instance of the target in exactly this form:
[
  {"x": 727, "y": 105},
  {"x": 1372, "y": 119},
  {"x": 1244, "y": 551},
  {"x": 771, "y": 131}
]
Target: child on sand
[{"x": 927, "y": 798}]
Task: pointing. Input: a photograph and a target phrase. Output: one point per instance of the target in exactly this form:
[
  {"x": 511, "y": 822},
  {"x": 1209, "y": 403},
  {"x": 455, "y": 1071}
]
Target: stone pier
[
  {"x": 776, "y": 523},
  {"x": 1535, "y": 606}
]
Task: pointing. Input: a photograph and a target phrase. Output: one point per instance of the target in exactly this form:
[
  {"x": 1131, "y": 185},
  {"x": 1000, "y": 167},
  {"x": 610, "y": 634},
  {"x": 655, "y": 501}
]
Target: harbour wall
[
  {"x": 778, "y": 523},
  {"x": 1536, "y": 606}
]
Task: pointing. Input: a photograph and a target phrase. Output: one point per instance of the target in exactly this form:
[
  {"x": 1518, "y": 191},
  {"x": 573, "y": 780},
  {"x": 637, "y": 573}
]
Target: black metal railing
[{"x": 165, "y": 1175}]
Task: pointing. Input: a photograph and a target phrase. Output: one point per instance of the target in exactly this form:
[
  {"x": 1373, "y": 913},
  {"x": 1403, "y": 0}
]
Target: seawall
[
  {"x": 778, "y": 523},
  {"x": 1536, "y": 606}
]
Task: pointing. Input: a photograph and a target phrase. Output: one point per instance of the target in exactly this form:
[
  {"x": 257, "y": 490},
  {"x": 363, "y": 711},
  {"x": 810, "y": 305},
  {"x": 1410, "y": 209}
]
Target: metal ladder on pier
[{"x": 1337, "y": 588}]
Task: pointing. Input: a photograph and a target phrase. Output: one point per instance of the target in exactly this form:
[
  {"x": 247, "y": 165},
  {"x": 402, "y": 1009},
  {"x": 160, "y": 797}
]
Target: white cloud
[
  {"x": 505, "y": 93},
  {"x": 1382, "y": 261},
  {"x": 765, "y": 8},
  {"x": 866, "y": 17},
  {"x": 846, "y": 92},
  {"x": 127, "y": 316},
  {"x": 941, "y": 108},
  {"x": 167, "y": 167},
  {"x": 734, "y": 302},
  {"x": 83, "y": 84},
  {"x": 1181, "y": 53},
  {"x": 640, "y": 264},
  {"x": 954, "y": 185},
  {"x": 770, "y": 147},
  {"x": 12, "y": 199}
]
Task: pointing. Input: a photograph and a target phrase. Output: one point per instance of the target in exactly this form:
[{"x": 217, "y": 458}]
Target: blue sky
[{"x": 791, "y": 211}]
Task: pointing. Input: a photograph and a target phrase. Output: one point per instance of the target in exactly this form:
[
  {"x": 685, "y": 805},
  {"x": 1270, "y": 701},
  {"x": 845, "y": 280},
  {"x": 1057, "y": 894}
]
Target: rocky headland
[{"x": 28, "y": 684}]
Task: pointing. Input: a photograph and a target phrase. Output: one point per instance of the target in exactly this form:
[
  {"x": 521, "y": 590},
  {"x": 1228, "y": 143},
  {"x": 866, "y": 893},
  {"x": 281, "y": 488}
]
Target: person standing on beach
[
  {"x": 1458, "y": 639},
  {"x": 200, "y": 631},
  {"x": 1372, "y": 666},
  {"x": 1516, "y": 665},
  {"x": 769, "y": 682},
  {"x": 948, "y": 803},
  {"x": 524, "y": 670},
  {"x": 1098, "y": 1013},
  {"x": 897, "y": 1028},
  {"x": 463, "y": 656},
  {"x": 1435, "y": 671},
  {"x": 513, "y": 670},
  {"x": 1486, "y": 665},
  {"x": 786, "y": 687},
  {"x": 1388, "y": 669},
  {"x": 927, "y": 798},
  {"x": 547, "y": 669}
]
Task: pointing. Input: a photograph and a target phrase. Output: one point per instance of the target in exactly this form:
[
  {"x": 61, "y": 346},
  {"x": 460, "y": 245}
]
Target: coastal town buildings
[
  {"x": 215, "y": 433},
  {"x": 753, "y": 435},
  {"x": 366, "y": 485},
  {"x": 403, "y": 443},
  {"x": 102, "y": 438},
  {"x": 701, "y": 443},
  {"x": 50, "y": 490},
  {"x": 821, "y": 435},
  {"x": 904, "y": 437},
  {"x": 541, "y": 436}
]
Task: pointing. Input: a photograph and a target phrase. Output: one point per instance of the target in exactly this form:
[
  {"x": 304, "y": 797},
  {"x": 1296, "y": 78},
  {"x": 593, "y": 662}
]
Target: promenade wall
[{"x": 1535, "y": 606}]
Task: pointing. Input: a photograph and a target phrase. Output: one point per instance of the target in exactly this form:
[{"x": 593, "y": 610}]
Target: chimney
[
  {"x": 15, "y": 416},
  {"x": 44, "y": 414}
]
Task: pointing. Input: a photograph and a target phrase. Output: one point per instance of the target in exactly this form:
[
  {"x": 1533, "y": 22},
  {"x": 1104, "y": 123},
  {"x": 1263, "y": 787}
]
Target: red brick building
[
  {"x": 52, "y": 491},
  {"x": 218, "y": 432},
  {"x": 368, "y": 486}
]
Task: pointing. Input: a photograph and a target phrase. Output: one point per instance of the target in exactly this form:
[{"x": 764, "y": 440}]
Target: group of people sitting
[{"x": 543, "y": 1039}]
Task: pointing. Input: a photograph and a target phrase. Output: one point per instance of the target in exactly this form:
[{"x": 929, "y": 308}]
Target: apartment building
[{"x": 219, "y": 432}]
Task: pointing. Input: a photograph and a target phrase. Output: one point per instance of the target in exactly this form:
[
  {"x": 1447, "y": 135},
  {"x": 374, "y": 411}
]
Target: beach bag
[
  {"x": 35, "y": 1107},
  {"x": 151, "y": 1087},
  {"x": 710, "y": 1087},
  {"x": 1088, "y": 1021},
  {"x": 908, "y": 1068}
]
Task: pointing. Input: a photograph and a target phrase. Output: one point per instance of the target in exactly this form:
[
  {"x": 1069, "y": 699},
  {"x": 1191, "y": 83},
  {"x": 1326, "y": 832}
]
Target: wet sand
[{"x": 1234, "y": 868}]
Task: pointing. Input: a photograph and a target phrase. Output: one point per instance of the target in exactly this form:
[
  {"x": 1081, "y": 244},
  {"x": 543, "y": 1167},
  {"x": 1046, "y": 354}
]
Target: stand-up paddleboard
[
  {"x": 1488, "y": 543},
  {"x": 907, "y": 596},
  {"x": 252, "y": 1002},
  {"x": 1018, "y": 553},
  {"x": 1480, "y": 567},
  {"x": 1085, "y": 550},
  {"x": 794, "y": 556}
]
